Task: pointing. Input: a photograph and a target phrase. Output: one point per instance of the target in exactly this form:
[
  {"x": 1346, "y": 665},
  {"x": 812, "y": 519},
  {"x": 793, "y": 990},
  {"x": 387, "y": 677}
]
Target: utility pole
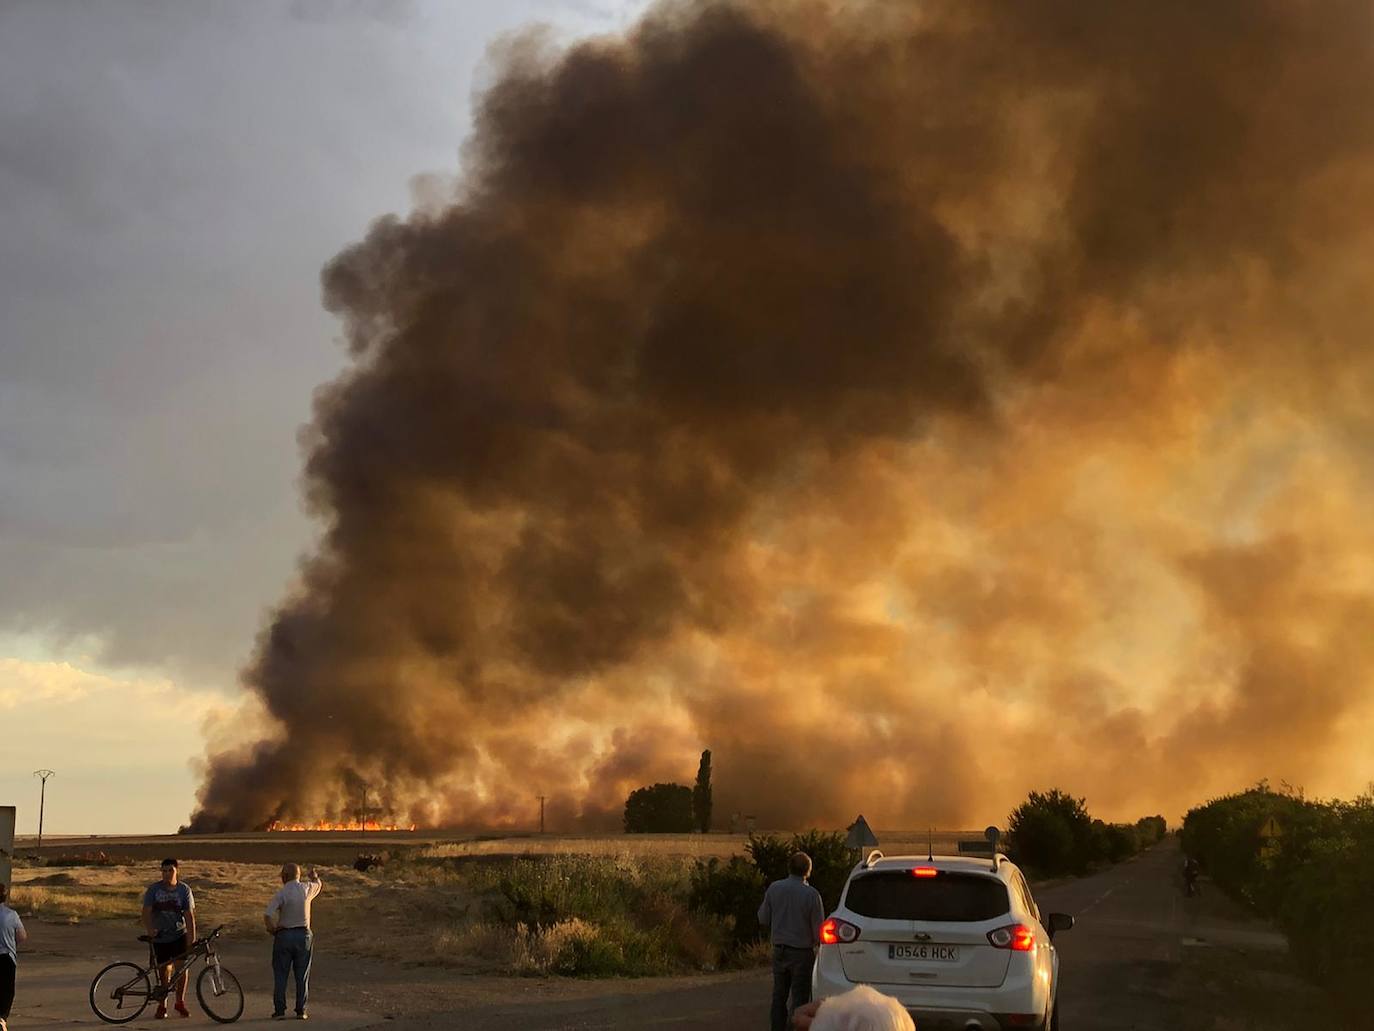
[
  {"x": 42, "y": 776},
  {"x": 541, "y": 814}
]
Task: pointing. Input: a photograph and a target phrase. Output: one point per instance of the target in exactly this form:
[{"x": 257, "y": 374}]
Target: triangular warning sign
[
  {"x": 1271, "y": 829},
  {"x": 861, "y": 835}
]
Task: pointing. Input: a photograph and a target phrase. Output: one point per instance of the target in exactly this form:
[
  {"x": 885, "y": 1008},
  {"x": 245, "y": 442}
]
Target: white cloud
[{"x": 25, "y": 682}]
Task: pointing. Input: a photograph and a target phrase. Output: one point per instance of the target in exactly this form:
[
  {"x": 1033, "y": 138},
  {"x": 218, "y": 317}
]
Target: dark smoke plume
[{"x": 914, "y": 403}]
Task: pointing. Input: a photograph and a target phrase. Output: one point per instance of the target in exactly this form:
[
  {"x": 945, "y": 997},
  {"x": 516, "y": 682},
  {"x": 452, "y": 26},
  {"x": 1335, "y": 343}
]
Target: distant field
[{"x": 340, "y": 848}]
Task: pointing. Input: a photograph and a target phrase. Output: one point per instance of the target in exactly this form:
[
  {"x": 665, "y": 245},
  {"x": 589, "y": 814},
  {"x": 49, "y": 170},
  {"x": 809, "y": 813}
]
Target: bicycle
[{"x": 130, "y": 987}]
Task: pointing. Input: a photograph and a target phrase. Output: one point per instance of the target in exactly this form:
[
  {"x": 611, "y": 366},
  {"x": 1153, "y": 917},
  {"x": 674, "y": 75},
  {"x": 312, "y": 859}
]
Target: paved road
[{"x": 1120, "y": 964}]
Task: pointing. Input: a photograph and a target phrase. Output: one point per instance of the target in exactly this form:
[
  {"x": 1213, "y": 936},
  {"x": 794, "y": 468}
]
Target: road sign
[
  {"x": 861, "y": 835},
  {"x": 1271, "y": 829}
]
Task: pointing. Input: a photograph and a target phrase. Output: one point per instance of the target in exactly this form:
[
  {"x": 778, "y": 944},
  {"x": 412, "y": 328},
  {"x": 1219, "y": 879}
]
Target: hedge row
[
  {"x": 1052, "y": 833},
  {"x": 1314, "y": 878},
  {"x": 733, "y": 890}
]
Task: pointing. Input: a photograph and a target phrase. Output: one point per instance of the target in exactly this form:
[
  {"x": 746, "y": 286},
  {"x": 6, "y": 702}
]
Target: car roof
[{"x": 954, "y": 864}]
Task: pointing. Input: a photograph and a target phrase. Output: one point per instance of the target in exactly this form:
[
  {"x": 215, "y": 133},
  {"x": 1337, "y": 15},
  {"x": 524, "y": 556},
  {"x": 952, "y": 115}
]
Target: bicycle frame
[{"x": 181, "y": 967}]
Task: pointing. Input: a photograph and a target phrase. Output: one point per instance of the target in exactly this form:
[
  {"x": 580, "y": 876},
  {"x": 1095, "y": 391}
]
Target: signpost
[
  {"x": 861, "y": 837},
  {"x": 1270, "y": 832},
  {"x": 6, "y": 842},
  {"x": 986, "y": 846}
]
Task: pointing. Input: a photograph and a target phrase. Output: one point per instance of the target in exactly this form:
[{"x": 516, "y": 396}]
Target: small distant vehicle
[{"x": 958, "y": 941}]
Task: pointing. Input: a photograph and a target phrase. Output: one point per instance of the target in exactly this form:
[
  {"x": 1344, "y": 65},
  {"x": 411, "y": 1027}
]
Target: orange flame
[{"x": 347, "y": 825}]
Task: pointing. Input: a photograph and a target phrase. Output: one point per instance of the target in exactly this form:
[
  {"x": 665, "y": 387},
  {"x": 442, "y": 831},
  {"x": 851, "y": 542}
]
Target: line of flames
[{"x": 348, "y": 825}]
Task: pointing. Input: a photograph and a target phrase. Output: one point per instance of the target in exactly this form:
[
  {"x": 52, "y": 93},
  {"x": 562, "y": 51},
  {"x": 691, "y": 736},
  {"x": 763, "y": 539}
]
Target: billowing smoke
[{"x": 914, "y": 403}]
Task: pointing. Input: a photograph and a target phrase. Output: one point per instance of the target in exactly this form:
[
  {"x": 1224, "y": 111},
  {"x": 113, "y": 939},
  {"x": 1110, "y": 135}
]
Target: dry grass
[
  {"x": 70, "y": 905},
  {"x": 499, "y": 948},
  {"x": 628, "y": 846},
  {"x": 692, "y": 846}
]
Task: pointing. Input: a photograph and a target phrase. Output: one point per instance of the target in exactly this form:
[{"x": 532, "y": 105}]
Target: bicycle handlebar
[{"x": 208, "y": 938}]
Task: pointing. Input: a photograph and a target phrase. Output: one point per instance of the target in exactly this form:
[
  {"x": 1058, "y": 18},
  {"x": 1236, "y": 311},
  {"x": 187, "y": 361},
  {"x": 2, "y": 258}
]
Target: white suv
[{"x": 958, "y": 941}]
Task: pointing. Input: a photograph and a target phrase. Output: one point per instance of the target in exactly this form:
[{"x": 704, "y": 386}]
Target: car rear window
[{"x": 896, "y": 895}]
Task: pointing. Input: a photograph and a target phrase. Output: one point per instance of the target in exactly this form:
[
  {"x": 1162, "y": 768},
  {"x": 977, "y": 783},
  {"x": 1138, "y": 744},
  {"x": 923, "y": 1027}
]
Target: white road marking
[{"x": 1098, "y": 899}]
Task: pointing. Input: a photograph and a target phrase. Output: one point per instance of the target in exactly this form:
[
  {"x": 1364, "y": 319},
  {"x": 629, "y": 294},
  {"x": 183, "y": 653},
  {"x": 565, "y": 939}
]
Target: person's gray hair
[
  {"x": 800, "y": 864},
  {"x": 862, "y": 1009},
  {"x": 290, "y": 872}
]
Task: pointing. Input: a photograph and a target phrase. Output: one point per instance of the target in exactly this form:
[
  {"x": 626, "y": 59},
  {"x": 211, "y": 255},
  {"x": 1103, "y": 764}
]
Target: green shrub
[
  {"x": 575, "y": 916},
  {"x": 1051, "y": 833},
  {"x": 1150, "y": 830},
  {"x": 770, "y": 855},
  {"x": 831, "y": 861},
  {"x": 733, "y": 891},
  {"x": 1122, "y": 842}
]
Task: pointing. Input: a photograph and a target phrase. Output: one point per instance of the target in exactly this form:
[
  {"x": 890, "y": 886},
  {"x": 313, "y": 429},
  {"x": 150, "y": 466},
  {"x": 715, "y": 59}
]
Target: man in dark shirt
[
  {"x": 793, "y": 913},
  {"x": 169, "y": 915}
]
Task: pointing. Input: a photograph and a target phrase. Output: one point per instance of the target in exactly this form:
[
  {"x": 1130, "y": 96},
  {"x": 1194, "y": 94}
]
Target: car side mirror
[{"x": 1060, "y": 922}]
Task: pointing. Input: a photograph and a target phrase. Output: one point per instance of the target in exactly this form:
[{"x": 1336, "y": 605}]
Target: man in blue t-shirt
[{"x": 169, "y": 915}]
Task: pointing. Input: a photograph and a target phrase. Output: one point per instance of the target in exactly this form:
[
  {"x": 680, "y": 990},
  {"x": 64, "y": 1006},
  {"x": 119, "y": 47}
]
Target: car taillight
[
  {"x": 924, "y": 871},
  {"x": 835, "y": 931},
  {"x": 1016, "y": 937}
]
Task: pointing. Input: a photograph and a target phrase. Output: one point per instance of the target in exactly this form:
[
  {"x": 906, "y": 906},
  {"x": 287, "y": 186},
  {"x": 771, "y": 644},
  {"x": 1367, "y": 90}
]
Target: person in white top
[
  {"x": 12, "y": 935},
  {"x": 287, "y": 919},
  {"x": 860, "y": 1009}
]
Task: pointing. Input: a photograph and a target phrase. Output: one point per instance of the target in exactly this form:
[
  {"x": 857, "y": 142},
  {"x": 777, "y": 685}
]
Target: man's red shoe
[{"x": 181, "y": 1008}]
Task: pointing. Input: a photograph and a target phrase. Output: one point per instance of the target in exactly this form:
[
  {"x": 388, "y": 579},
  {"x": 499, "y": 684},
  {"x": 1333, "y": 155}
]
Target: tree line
[{"x": 1302, "y": 863}]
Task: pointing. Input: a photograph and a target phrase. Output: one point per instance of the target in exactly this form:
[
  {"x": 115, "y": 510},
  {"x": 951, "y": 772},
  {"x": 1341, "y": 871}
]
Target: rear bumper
[{"x": 944, "y": 1008}]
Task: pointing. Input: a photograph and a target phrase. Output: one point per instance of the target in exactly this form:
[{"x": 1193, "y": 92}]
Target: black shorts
[{"x": 168, "y": 951}]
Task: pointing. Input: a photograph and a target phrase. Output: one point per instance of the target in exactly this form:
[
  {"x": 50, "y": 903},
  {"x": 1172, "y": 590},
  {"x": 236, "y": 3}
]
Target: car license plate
[{"x": 935, "y": 953}]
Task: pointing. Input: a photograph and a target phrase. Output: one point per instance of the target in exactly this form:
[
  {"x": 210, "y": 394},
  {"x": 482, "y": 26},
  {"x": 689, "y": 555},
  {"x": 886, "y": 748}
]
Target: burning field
[{"x": 911, "y": 403}]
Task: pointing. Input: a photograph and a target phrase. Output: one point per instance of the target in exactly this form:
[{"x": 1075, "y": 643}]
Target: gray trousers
[{"x": 791, "y": 982}]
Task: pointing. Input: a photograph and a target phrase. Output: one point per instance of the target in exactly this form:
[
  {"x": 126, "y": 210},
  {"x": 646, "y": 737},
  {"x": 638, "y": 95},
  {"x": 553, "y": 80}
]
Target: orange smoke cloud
[{"x": 914, "y": 404}]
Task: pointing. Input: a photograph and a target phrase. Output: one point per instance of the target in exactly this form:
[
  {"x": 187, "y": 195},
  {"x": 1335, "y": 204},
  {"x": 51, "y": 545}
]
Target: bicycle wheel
[
  {"x": 219, "y": 994},
  {"x": 120, "y": 993}
]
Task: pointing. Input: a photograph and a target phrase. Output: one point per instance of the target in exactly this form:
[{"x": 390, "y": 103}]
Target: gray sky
[{"x": 172, "y": 177}]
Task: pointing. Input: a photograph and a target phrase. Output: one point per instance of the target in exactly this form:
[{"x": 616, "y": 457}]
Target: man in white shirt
[
  {"x": 287, "y": 919},
  {"x": 12, "y": 935}
]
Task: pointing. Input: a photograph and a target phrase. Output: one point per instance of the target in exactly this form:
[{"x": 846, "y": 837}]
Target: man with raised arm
[
  {"x": 287, "y": 919},
  {"x": 169, "y": 916}
]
